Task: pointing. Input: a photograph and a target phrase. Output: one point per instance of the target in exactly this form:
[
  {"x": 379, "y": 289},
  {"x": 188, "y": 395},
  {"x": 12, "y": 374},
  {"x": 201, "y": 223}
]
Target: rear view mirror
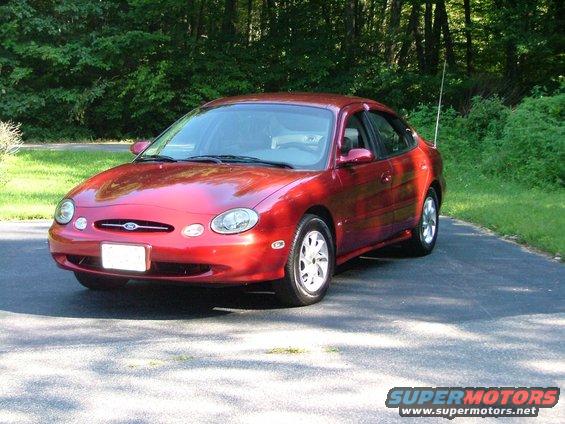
[
  {"x": 139, "y": 146},
  {"x": 355, "y": 156}
]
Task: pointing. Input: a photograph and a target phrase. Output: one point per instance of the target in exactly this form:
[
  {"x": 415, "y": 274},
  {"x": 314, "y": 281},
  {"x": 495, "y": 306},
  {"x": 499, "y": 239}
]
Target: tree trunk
[
  {"x": 371, "y": 17},
  {"x": 249, "y": 18},
  {"x": 419, "y": 46},
  {"x": 381, "y": 13},
  {"x": 228, "y": 23},
  {"x": 447, "y": 40},
  {"x": 349, "y": 42},
  {"x": 392, "y": 33},
  {"x": 428, "y": 36},
  {"x": 198, "y": 26},
  {"x": 468, "y": 38},
  {"x": 436, "y": 39},
  {"x": 511, "y": 65},
  {"x": 359, "y": 21},
  {"x": 411, "y": 33}
]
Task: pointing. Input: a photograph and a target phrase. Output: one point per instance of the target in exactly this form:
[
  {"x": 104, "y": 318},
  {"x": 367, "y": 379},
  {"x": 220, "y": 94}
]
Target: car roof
[{"x": 325, "y": 100}]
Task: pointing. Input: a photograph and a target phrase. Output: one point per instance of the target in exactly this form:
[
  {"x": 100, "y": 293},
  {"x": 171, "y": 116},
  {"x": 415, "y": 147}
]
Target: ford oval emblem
[{"x": 130, "y": 226}]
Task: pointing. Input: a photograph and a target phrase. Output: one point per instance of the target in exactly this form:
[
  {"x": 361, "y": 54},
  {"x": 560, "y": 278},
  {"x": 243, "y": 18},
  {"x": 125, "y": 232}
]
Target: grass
[
  {"x": 37, "y": 180},
  {"x": 183, "y": 358},
  {"x": 286, "y": 351},
  {"x": 529, "y": 216},
  {"x": 79, "y": 141}
]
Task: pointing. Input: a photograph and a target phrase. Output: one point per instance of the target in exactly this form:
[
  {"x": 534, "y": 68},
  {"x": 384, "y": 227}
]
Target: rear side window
[
  {"x": 405, "y": 130},
  {"x": 392, "y": 135}
]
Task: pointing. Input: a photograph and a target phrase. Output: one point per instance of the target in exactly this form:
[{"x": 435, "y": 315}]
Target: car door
[
  {"x": 365, "y": 202},
  {"x": 397, "y": 144}
]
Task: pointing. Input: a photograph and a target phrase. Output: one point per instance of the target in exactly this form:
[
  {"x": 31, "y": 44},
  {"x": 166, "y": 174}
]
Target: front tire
[
  {"x": 310, "y": 265},
  {"x": 424, "y": 236},
  {"x": 98, "y": 282}
]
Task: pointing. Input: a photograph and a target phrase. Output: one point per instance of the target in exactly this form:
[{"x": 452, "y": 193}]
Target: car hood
[{"x": 190, "y": 187}]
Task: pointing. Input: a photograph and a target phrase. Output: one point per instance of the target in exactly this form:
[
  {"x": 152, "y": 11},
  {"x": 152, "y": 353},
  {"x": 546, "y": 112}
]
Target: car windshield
[{"x": 273, "y": 134}]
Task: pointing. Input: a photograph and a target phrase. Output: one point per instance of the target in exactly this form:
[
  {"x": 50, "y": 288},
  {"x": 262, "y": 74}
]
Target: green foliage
[
  {"x": 532, "y": 149},
  {"x": 526, "y": 144},
  {"x": 90, "y": 69},
  {"x": 453, "y": 144},
  {"x": 486, "y": 120}
]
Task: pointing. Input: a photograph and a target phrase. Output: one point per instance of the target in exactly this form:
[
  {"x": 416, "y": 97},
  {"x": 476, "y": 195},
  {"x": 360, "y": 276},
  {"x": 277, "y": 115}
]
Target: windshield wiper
[
  {"x": 203, "y": 158},
  {"x": 155, "y": 158},
  {"x": 251, "y": 159}
]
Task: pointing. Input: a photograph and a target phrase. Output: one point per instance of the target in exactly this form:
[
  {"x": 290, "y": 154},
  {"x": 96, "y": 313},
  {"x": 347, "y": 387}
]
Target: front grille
[
  {"x": 133, "y": 225},
  {"x": 173, "y": 269}
]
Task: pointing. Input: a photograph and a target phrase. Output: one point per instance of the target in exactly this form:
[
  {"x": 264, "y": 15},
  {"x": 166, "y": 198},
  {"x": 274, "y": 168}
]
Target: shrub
[
  {"x": 450, "y": 141},
  {"x": 10, "y": 141},
  {"x": 10, "y": 138},
  {"x": 486, "y": 120},
  {"x": 526, "y": 144},
  {"x": 532, "y": 147}
]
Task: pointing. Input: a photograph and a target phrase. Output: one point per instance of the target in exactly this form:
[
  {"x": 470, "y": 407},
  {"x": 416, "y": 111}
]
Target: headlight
[
  {"x": 235, "y": 221},
  {"x": 64, "y": 211}
]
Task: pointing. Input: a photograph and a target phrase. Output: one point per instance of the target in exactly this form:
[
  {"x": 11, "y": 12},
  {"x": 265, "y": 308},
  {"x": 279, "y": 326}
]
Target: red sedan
[{"x": 279, "y": 187}]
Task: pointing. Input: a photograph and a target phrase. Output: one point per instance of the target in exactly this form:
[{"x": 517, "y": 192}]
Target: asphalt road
[{"x": 479, "y": 311}]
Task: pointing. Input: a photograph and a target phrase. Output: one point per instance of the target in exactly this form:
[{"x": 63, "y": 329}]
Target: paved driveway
[{"x": 479, "y": 311}]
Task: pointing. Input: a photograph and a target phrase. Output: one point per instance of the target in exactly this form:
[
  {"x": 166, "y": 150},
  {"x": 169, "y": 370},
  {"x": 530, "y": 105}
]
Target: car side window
[
  {"x": 393, "y": 142},
  {"x": 405, "y": 130},
  {"x": 356, "y": 136}
]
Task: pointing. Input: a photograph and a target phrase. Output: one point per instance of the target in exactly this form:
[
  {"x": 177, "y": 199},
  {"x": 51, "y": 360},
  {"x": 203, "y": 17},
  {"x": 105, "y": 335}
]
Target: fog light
[
  {"x": 80, "y": 223},
  {"x": 193, "y": 230}
]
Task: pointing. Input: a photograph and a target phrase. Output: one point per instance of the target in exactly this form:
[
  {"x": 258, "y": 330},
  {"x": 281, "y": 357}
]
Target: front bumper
[{"x": 208, "y": 258}]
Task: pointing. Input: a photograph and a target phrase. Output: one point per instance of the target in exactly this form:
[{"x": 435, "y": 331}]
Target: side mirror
[
  {"x": 355, "y": 156},
  {"x": 139, "y": 146}
]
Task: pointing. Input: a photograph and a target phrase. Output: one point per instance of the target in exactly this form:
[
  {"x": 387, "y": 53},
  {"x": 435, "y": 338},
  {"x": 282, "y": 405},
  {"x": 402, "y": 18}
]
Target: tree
[
  {"x": 78, "y": 68},
  {"x": 468, "y": 37}
]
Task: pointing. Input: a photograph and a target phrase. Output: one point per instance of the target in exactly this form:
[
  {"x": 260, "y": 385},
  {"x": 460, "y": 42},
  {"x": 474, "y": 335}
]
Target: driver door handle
[{"x": 386, "y": 177}]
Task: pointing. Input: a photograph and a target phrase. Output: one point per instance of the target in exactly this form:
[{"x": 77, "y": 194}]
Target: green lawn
[
  {"x": 532, "y": 216},
  {"x": 37, "y": 180}
]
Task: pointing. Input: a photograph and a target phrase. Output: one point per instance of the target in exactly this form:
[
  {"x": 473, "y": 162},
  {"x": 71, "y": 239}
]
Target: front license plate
[{"x": 125, "y": 257}]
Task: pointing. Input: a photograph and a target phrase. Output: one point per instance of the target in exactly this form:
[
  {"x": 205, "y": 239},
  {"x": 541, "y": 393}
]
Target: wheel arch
[
  {"x": 324, "y": 213},
  {"x": 437, "y": 187}
]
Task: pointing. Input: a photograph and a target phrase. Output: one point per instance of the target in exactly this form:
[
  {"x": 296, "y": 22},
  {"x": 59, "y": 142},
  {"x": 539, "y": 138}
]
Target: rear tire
[
  {"x": 424, "y": 236},
  {"x": 310, "y": 265},
  {"x": 98, "y": 282}
]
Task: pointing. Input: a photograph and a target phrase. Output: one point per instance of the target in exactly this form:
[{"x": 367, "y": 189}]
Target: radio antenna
[{"x": 439, "y": 104}]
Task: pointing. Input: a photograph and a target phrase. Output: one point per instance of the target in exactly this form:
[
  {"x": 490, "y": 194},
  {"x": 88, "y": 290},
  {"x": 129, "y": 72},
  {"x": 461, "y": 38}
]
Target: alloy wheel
[
  {"x": 429, "y": 220},
  {"x": 313, "y": 261}
]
